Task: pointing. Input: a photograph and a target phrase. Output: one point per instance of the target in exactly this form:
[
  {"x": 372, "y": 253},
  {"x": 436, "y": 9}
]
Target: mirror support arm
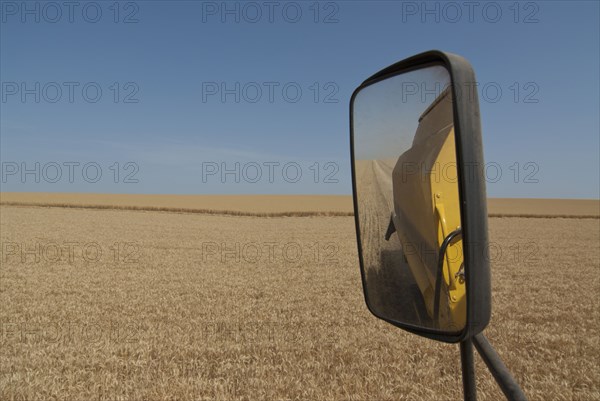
[
  {"x": 468, "y": 370},
  {"x": 507, "y": 383}
]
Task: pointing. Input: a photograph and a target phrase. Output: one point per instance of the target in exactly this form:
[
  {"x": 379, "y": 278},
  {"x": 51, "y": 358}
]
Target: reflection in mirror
[{"x": 408, "y": 200}]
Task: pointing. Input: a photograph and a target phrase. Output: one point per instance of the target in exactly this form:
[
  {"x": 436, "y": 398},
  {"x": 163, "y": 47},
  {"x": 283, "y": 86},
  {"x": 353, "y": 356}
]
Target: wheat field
[{"x": 102, "y": 304}]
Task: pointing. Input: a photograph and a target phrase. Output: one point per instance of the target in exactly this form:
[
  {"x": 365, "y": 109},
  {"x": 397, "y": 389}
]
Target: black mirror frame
[{"x": 473, "y": 203}]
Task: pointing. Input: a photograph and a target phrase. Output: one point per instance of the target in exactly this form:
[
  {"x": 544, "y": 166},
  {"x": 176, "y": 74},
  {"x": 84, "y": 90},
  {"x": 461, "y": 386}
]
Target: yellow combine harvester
[{"x": 426, "y": 215}]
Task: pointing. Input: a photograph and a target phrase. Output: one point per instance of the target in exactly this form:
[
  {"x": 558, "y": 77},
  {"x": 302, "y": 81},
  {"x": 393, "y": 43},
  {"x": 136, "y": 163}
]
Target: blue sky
[{"x": 161, "y": 125}]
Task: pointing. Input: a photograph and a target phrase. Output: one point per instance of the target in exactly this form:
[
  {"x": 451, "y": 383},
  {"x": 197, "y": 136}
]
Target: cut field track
[
  {"x": 262, "y": 214},
  {"x": 183, "y": 210}
]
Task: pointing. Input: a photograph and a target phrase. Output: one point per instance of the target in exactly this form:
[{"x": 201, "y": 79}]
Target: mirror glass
[{"x": 408, "y": 200}]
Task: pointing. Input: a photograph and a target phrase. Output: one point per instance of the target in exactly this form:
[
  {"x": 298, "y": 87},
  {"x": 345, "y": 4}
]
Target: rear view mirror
[{"x": 419, "y": 197}]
